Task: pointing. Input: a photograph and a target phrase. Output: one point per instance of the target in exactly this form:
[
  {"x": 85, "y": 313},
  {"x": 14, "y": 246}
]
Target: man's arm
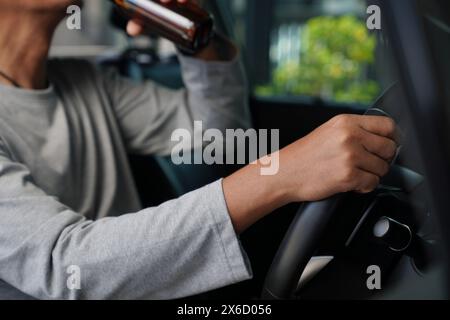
[
  {"x": 348, "y": 153},
  {"x": 181, "y": 248},
  {"x": 147, "y": 113},
  {"x": 216, "y": 94}
]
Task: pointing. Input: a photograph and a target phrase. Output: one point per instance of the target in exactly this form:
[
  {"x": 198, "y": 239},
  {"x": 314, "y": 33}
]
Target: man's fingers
[
  {"x": 384, "y": 148},
  {"x": 134, "y": 28},
  {"x": 382, "y": 126},
  {"x": 371, "y": 163},
  {"x": 367, "y": 182}
]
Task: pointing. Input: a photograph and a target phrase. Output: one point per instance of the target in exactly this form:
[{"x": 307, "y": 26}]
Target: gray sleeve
[
  {"x": 181, "y": 248},
  {"x": 148, "y": 114}
]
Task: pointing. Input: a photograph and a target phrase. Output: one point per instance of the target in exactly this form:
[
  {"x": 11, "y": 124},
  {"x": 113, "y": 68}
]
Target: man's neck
[{"x": 25, "y": 40}]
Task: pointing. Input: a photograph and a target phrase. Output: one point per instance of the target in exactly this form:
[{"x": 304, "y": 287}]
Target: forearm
[
  {"x": 132, "y": 256},
  {"x": 217, "y": 92},
  {"x": 333, "y": 159},
  {"x": 251, "y": 196}
]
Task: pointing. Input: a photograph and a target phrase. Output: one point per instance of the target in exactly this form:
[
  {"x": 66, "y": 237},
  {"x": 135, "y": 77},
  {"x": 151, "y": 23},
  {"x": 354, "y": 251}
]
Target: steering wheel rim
[{"x": 297, "y": 247}]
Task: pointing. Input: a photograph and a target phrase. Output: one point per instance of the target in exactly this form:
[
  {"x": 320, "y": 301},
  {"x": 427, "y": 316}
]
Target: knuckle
[
  {"x": 375, "y": 182},
  {"x": 390, "y": 125},
  {"x": 371, "y": 184},
  {"x": 347, "y": 136},
  {"x": 350, "y": 158},
  {"x": 388, "y": 150},
  {"x": 392, "y": 149},
  {"x": 348, "y": 176},
  {"x": 384, "y": 168},
  {"x": 343, "y": 120}
]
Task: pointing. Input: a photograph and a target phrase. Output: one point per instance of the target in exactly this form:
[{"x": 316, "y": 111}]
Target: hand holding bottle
[{"x": 182, "y": 21}]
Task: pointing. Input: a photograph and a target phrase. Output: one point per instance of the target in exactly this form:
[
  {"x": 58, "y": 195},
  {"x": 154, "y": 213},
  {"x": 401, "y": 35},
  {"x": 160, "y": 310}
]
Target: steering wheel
[
  {"x": 298, "y": 247},
  {"x": 305, "y": 232}
]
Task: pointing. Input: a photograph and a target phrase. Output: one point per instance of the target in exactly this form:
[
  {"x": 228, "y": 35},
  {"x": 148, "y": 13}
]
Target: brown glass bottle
[{"x": 187, "y": 25}]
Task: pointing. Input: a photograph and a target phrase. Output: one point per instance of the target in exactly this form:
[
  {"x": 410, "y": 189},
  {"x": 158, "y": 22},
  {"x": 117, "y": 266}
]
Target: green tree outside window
[{"x": 334, "y": 61}]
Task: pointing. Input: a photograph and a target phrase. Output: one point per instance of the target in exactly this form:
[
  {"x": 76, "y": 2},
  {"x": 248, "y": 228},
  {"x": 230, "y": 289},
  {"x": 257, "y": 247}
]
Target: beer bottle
[{"x": 186, "y": 24}]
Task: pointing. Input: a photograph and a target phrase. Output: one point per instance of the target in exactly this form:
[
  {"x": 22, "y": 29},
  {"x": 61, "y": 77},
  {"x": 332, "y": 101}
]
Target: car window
[{"x": 319, "y": 48}]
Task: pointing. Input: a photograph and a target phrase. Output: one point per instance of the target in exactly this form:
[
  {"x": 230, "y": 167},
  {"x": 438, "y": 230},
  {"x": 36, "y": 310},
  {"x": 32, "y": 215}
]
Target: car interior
[{"x": 321, "y": 250}]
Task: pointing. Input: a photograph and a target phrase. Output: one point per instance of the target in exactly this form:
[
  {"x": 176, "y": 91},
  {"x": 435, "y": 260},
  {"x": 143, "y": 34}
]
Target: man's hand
[{"x": 348, "y": 153}]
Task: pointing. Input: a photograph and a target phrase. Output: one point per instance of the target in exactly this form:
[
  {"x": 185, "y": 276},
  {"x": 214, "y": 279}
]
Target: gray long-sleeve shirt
[{"x": 67, "y": 197}]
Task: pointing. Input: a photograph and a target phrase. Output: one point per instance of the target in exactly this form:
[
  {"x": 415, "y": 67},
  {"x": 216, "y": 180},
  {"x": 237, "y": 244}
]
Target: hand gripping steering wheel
[{"x": 304, "y": 234}]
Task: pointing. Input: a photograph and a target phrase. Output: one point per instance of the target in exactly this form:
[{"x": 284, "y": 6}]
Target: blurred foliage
[{"x": 335, "y": 57}]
